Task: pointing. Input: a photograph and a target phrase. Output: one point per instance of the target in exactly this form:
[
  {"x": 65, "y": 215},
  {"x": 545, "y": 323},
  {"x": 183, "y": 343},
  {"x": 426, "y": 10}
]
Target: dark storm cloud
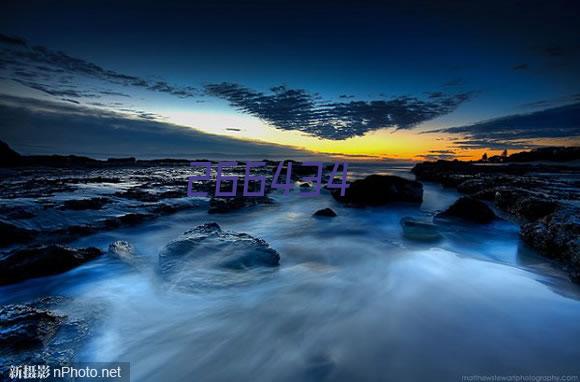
[
  {"x": 296, "y": 109},
  {"x": 12, "y": 40},
  {"x": 19, "y": 58},
  {"x": 520, "y": 130}
]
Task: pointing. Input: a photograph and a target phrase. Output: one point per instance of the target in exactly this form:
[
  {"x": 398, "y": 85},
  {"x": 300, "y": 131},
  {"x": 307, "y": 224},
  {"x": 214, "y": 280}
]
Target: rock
[
  {"x": 136, "y": 193},
  {"x": 40, "y": 261},
  {"x": 375, "y": 190},
  {"x": 469, "y": 209},
  {"x": 225, "y": 205},
  {"x": 325, "y": 212},
  {"x": 120, "y": 162},
  {"x": 85, "y": 204},
  {"x": 167, "y": 209},
  {"x": 11, "y": 234},
  {"x": 32, "y": 334},
  {"x": 15, "y": 212},
  {"x": 305, "y": 185},
  {"x": 122, "y": 250},
  {"x": 557, "y": 235},
  {"x": 207, "y": 248},
  {"x": 540, "y": 194},
  {"x": 8, "y": 157},
  {"x": 419, "y": 230},
  {"x": 126, "y": 220},
  {"x": 134, "y": 218},
  {"x": 24, "y": 327},
  {"x": 523, "y": 203},
  {"x": 442, "y": 170}
]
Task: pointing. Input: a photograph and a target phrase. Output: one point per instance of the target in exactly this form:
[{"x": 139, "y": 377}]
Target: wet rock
[
  {"x": 25, "y": 327},
  {"x": 138, "y": 194},
  {"x": 184, "y": 261},
  {"x": 375, "y": 190},
  {"x": 305, "y": 185},
  {"x": 8, "y": 157},
  {"x": 122, "y": 250},
  {"x": 557, "y": 235},
  {"x": 78, "y": 230},
  {"x": 474, "y": 185},
  {"x": 325, "y": 212},
  {"x": 127, "y": 220},
  {"x": 524, "y": 204},
  {"x": 167, "y": 209},
  {"x": 469, "y": 209},
  {"x": 129, "y": 161},
  {"x": 173, "y": 194},
  {"x": 33, "y": 334},
  {"x": 85, "y": 204},
  {"x": 225, "y": 205},
  {"x": 442, "y": 170},
  {"x": 540, "y": 194},
  {"x": 11, "y": 234},
  {"x": 15, "y": 212},
  {"x": 40, "y": 261},
  {"x": 419, "y": 230},
  {"x": 299, "y": 170}
]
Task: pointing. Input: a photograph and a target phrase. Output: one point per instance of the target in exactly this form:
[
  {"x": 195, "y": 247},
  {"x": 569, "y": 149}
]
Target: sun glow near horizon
[{"x": 385, "y": 143}]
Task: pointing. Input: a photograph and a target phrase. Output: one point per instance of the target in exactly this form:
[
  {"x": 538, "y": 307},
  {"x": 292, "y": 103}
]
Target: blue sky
[{"x": 381, "y": 70}]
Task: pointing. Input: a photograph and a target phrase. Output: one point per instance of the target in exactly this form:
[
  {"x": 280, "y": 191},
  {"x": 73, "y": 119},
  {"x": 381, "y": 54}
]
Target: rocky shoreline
[
  {"x": 98, "y": 197},
  {"x": 544, "y": 199}
]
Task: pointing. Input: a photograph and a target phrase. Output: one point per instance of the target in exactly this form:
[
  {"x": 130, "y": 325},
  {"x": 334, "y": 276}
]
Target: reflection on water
[{"x": 352, "y": 300}]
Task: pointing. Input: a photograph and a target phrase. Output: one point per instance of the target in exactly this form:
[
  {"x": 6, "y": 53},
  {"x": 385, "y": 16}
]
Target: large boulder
[
  {"x": 469, "y": 209},
  {"x": 524, "y": 204},
  {"x": 557, "y": 235},
  {"x": 376, "y": 190},
  {"x": 40, "y": 261},
  {"x": 325, "y": 212},
  {"x": 209, "y": 255}
]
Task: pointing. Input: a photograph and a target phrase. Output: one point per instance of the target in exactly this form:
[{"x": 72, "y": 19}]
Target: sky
[{"x": 389, "y": 79}]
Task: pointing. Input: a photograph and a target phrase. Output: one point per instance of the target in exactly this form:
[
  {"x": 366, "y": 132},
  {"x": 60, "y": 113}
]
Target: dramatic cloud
[
  {"x": 553, "y": 102},
  {"x": 38, "y": 67},
  {"x": 298, "y": 110},
  {"x": 520, "y": 130},
  {"x": 39, "y": 128}
]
